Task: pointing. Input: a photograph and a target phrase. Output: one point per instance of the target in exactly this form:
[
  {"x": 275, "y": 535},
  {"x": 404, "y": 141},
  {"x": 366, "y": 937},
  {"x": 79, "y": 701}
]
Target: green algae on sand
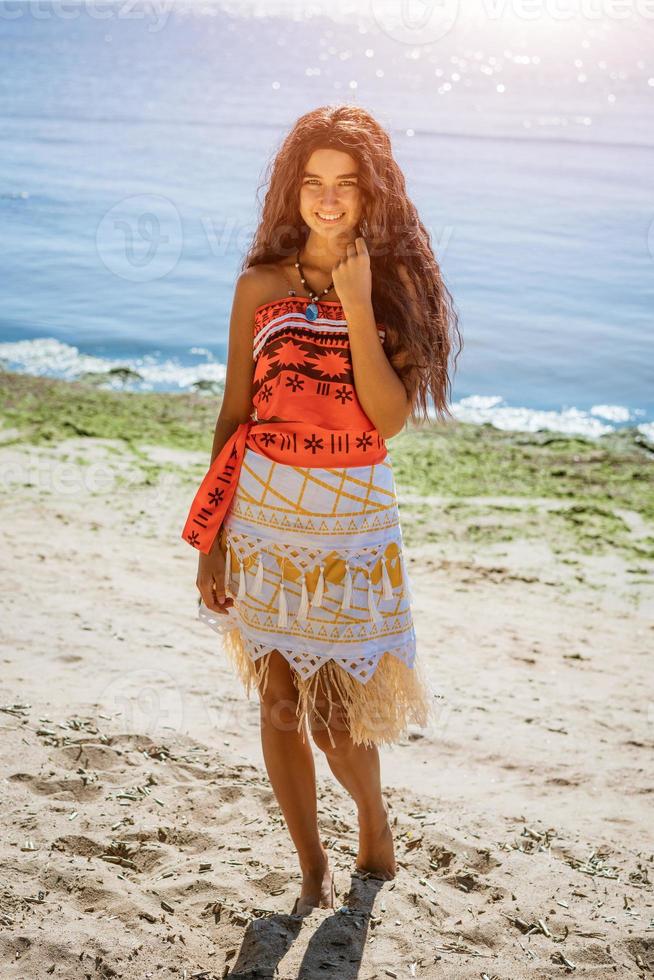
[{"x": 597, "y": 483}]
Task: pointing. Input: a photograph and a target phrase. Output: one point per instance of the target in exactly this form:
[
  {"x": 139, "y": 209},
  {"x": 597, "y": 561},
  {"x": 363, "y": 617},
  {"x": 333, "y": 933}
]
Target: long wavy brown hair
[{"x": 419, "y": 315}]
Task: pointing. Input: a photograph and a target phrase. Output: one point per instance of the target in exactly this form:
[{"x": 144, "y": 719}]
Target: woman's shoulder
[{"x": 262, "y": 283}]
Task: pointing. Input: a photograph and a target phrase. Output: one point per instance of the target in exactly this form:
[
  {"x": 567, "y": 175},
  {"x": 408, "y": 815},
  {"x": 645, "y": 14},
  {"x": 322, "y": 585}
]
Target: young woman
[{"x": 341, "y": 328}]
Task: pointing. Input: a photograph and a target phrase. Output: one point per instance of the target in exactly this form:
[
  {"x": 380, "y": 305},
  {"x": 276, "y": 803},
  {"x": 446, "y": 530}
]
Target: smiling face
[{"x": 330, "y": 196}]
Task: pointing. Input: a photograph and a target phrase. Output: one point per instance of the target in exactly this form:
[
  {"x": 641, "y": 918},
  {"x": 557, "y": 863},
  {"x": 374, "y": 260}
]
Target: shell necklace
[{"x": 312, "y": 311}]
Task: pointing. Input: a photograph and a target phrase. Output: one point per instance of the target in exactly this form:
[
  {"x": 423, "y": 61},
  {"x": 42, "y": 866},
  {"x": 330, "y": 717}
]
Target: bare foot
[
  {"x": 317, "y": 890},
  {"x": 376, "y": 854}
]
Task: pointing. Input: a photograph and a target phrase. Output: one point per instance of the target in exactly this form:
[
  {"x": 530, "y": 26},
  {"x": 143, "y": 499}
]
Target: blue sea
[{"x": 134, "y": 144}]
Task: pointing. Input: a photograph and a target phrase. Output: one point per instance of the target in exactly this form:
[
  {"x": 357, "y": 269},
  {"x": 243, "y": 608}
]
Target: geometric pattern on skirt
[
  {"x": 303, "y": 531},
  {"x": 314, "y": 562}
]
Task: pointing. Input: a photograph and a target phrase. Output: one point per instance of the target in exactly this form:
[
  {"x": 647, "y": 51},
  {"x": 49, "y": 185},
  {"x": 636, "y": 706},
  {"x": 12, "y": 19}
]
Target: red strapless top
[
  {"x": 304, "y": 368},
  {"x": 303, "y": 373}
]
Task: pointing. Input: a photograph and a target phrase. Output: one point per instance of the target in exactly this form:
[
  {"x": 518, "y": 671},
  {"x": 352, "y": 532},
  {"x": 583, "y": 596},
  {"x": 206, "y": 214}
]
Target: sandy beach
[{"x": 140, "y": 835}]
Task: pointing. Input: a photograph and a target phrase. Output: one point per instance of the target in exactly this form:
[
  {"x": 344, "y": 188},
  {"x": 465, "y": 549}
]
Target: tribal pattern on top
[
  {"x": 303, "y": 376},
  {"x": 303, "y": 369}
]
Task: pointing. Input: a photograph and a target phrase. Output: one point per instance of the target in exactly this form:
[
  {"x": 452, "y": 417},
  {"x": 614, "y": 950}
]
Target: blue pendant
[{"x": 311, "y": 312}]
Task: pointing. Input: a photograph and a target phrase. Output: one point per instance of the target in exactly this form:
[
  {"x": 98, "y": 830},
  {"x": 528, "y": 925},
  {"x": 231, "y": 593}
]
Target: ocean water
[{"x": 134, "y": 143}]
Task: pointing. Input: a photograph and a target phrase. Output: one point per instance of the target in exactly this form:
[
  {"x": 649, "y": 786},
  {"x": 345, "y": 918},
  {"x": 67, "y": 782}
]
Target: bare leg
[
  {"x": 357, "y": 769},
  {"x": 291, "y": 770}
]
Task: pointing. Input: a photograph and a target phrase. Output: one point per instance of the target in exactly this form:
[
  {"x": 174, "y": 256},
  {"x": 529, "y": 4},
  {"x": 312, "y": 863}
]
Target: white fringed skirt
[{"x": 314, "y": 562}]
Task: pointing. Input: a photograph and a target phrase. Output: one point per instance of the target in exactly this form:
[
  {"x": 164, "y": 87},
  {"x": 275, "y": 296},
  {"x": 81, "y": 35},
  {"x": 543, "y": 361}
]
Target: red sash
[{"x": 294, "y": 443}]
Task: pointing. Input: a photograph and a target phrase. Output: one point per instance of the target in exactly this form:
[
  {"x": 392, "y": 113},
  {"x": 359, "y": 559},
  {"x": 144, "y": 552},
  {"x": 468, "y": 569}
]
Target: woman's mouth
[{"x": 330, "y": 218}]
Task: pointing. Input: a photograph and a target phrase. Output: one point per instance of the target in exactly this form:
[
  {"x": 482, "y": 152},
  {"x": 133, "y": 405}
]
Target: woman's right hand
[{"x": 211, "y": 580}]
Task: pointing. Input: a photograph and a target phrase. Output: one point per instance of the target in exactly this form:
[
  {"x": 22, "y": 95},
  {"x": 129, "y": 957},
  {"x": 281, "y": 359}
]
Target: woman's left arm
[{"x": 379, "y": 388}]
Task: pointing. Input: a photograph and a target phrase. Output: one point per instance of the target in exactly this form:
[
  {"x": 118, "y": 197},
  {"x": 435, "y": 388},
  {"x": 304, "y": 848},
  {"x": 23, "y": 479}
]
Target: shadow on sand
[{"x": 334, "y": 950}]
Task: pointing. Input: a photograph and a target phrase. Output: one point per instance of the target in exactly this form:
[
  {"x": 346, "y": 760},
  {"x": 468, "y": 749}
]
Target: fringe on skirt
[
  {"x": 314, "y": 563},
  {"x": 376, "y": 713}
]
